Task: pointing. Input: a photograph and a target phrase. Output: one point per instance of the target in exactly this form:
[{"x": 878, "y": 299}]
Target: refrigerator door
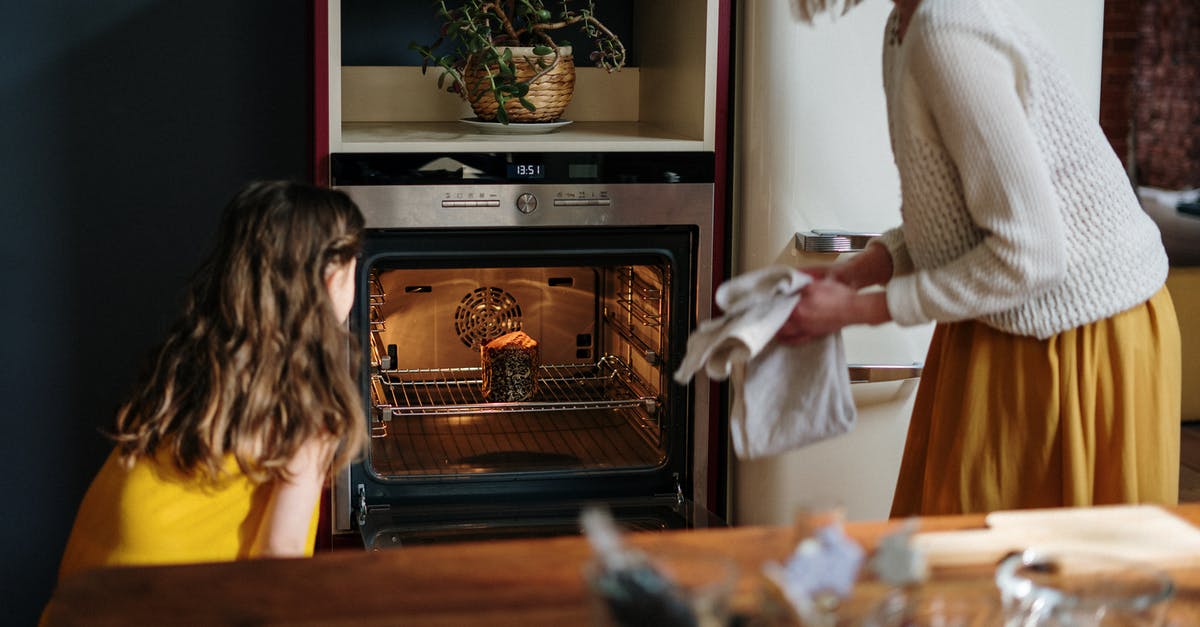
[{"x": 813, "y": 155}]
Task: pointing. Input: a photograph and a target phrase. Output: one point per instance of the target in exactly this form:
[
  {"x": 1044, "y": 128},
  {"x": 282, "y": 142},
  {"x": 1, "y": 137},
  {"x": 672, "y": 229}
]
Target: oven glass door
[{"x": 385, "y": 529}]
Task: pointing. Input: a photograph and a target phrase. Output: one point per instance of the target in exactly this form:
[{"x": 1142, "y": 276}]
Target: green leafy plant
[{"x": 477, "y": 37}]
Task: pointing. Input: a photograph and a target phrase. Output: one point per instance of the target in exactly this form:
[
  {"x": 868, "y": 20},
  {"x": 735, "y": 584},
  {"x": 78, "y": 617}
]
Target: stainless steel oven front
[{"x": 605, "y": 261}]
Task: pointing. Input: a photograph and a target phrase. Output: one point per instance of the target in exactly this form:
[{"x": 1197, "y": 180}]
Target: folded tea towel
[{"x": 784, "y": 396}]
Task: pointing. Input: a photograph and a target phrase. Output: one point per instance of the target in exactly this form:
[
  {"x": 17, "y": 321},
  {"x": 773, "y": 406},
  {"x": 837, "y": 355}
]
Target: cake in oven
[{"x": 510, "y": 368}]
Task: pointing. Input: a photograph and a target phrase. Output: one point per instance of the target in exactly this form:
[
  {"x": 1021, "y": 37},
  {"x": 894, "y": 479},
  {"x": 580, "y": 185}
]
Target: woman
[
  {"x": 223, "y": 448},
  {"x": 1053, "y": 377}
]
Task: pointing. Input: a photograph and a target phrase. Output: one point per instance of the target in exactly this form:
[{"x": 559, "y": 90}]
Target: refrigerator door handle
[
  {"x": 832, "y": 241},
  {"x": 874, "y": 373}
]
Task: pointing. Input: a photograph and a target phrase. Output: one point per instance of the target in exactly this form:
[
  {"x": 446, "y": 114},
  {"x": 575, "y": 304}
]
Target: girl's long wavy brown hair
[{"x": 257, "y": 364}]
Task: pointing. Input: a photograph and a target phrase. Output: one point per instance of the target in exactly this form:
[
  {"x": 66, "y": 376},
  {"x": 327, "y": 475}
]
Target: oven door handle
[
  {"x": 832, "y": 241},
  {"x": 875, "y": 373}
]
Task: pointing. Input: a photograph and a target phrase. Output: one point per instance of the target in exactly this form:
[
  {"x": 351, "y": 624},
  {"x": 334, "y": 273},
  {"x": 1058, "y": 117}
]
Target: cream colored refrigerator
[{"x": 812, "y": 158}]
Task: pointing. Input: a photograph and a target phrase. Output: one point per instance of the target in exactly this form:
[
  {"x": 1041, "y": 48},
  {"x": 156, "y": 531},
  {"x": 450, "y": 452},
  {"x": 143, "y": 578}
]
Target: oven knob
[{"x": 526, "y": 203}]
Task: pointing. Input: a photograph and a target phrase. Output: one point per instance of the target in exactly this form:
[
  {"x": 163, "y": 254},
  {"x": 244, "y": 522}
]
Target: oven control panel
[
  {"x": 527, "y": 202},
  {"x": 495, "y": 190}
]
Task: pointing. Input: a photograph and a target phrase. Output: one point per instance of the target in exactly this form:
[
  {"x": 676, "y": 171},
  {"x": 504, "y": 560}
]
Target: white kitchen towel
[{"x": 784, "y": 396}]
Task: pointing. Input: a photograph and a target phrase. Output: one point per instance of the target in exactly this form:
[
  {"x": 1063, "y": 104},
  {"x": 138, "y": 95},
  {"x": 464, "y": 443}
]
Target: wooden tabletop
[{"x": 513, "y": 582}]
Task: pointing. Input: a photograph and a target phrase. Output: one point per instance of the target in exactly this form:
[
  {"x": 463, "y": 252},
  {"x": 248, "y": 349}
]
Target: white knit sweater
[{"x": 1015, "y": 209}]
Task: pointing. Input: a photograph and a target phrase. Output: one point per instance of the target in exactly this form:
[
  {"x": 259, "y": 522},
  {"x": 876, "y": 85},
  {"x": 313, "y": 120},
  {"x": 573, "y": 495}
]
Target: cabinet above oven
[{"x": 669, "y": 101}]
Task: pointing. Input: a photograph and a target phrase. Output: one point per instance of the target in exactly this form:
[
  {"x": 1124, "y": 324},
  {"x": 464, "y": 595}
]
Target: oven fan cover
[{"x": 485, "y": 314}]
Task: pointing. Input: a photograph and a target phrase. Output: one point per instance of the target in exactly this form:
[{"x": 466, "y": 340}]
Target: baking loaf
[{"x": 510, "y": 368}]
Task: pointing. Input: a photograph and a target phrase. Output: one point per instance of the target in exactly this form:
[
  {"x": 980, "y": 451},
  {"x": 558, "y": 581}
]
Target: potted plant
[{"x": 502, "y": 59}]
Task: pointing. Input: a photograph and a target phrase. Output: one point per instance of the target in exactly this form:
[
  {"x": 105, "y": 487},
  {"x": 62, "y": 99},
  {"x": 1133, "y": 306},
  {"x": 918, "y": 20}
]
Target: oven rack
[
  {"x": 642, "y": 300},
  {"x": 607, "y": 384}
]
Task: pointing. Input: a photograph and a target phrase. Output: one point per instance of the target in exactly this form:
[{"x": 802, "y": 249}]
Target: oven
[{"x": 605, "y": 261}]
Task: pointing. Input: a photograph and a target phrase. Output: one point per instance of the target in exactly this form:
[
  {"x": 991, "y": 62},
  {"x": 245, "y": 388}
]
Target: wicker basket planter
[{"x": 549, "y": 93}]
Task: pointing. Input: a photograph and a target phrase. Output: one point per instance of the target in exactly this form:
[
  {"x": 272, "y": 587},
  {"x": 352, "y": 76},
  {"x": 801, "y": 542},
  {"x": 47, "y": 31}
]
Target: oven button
[
  {"x": 526, "y": 203},
  {"x": 582, "y": 202},
  {"x": 470, "y": 203}
]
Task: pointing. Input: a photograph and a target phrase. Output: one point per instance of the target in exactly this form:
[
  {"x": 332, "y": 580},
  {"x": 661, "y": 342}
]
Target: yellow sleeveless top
[{"x": 150, "y": 514}]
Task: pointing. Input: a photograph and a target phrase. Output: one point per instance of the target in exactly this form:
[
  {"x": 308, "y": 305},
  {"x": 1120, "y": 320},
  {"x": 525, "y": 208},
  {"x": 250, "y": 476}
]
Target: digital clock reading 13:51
[{"x": 526, "y": 170}]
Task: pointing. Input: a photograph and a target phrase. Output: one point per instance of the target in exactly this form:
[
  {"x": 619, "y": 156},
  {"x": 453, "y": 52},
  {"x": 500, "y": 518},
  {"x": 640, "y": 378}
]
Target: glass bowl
[
  {"x": 1046, "y": 588},
  {"x": 970, "y": 603}
]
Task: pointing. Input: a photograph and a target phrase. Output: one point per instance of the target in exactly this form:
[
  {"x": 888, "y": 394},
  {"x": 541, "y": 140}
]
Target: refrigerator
[{"x": 811, "y": 155}]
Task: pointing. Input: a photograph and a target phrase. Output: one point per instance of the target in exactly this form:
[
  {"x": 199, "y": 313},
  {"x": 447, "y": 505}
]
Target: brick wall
[
  {"x": 1116, "y": 75},
  {"x": 1150, "y": 89}
]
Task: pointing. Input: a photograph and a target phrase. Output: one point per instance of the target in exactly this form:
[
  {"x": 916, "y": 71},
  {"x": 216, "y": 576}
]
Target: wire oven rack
[
  {"x": 584, "y": 417},
  {"x": 607, "y": 384}
]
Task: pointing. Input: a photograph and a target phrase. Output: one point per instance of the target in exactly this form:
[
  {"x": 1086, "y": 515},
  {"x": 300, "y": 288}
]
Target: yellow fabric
[
  {"x": 149, "y": 514},
  {"x": 1086, "y": 417},
  {"x": 1184, "y": 283}
]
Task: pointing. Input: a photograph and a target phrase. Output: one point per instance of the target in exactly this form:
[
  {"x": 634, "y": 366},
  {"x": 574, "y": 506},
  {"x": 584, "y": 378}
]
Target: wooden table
[{"x": 526, "y": 583}]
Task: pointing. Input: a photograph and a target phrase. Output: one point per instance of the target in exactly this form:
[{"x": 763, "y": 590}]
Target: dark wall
[
  {"x": 125, "y": 126},
  {"x": 383, "y": 30}
]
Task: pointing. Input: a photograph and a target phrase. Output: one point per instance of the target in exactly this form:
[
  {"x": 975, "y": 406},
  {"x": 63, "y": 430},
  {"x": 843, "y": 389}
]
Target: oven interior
[{"x": 601, "y": 331}]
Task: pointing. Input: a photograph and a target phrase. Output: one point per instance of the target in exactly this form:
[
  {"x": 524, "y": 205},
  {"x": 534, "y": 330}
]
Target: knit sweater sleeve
[
  {"x": 970, "y": 86},
  {"x": 893, "y": 241}
]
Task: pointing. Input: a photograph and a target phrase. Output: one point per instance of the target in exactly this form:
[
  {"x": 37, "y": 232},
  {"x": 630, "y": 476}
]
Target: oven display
[
  {"x": 357, "y": 169},
  {"x": 583, "y": 170},
  {"x": 526, "y": 171}
]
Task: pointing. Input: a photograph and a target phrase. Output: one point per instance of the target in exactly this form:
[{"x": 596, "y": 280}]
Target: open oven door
[{"x": 383, "y": 528}]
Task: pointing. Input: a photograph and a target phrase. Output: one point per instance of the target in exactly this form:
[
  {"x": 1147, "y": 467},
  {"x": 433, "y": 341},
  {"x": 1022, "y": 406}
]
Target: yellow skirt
[{"x": 1087, "y": 417}]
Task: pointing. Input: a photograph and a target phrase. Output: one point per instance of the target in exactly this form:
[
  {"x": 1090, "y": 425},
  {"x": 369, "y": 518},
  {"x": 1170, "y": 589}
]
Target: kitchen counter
[{"x": 514, "y": 582}]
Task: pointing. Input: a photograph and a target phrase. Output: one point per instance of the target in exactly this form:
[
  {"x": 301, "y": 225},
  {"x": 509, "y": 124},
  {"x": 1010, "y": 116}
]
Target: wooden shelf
[
  {"x": 666, "y": 104},
  {"x": 578, "y": 136}
]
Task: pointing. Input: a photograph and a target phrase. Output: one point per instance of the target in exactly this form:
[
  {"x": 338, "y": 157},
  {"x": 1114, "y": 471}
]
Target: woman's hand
[
  {"x": 826, "y": 306},
  {"x": 872, "y": 266}
]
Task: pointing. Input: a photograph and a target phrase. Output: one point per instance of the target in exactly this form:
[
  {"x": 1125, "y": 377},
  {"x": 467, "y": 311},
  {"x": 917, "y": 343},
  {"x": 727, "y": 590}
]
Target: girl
[
  {"x": 222, "y": 450},
  {"x": 1054, "y": 375}
]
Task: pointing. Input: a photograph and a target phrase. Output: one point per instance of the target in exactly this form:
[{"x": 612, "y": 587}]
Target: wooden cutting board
[{"x": 1144, "y": 533}]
